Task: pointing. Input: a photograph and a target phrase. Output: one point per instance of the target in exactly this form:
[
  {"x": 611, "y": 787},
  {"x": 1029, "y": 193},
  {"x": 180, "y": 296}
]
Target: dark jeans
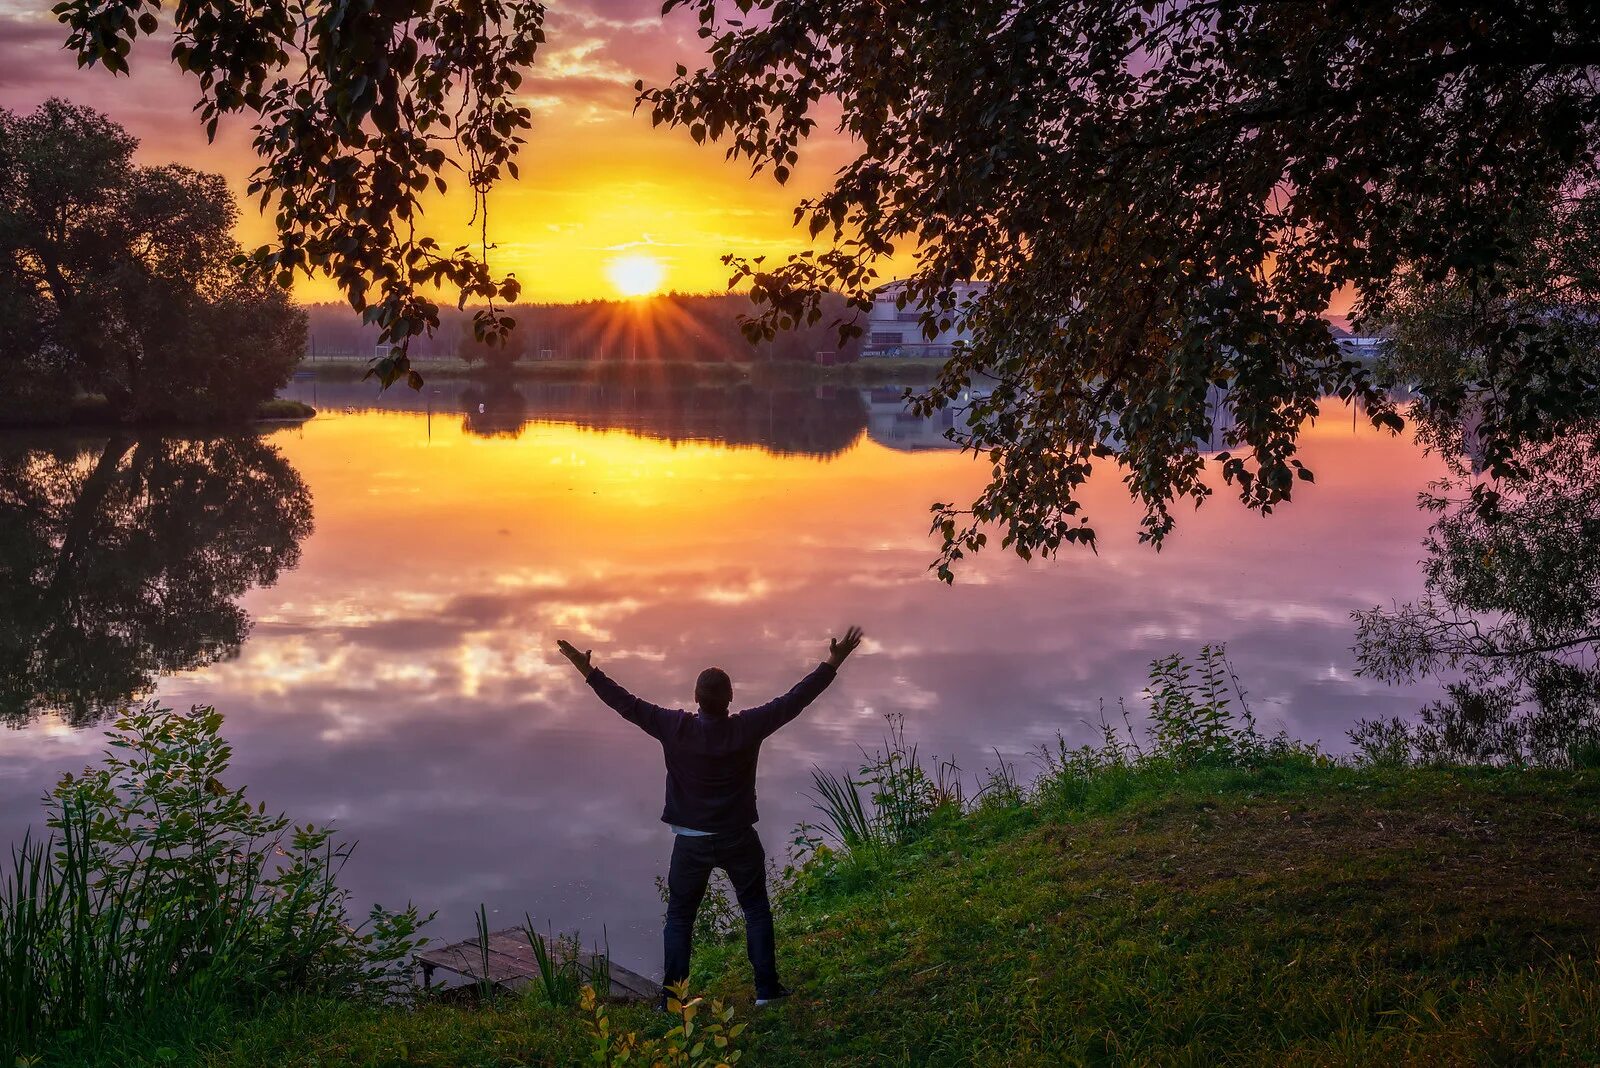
[{"x": 738, "y": 853}]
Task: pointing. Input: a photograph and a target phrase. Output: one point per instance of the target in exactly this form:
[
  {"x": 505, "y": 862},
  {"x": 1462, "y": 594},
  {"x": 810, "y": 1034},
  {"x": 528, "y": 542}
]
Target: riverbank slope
[{"x": 1294, "y": 912}]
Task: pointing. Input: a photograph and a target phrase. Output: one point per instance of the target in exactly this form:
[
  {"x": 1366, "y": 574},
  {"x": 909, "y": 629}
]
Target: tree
[
  {"x": 359, "y": 112},
  {"x": 124, "y": 562},
  {"x": 1163, "y": 197},
  {"x": 120, "y": 279},
  {"x": 1467, "y": 349},
  {"x": 1510, "y": 613}
]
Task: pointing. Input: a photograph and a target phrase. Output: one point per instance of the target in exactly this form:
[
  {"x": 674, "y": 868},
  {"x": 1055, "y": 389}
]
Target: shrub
[{"x": 162, "y": 889}]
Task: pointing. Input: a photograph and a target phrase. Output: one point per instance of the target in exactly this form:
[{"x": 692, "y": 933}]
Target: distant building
[
  {"x": 896, "y": 331},
  {"x": 1364, "y": 349}
]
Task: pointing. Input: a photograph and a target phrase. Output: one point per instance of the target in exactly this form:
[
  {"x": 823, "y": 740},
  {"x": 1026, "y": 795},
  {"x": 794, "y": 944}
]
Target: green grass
[{"x": 1292, "y": 913}]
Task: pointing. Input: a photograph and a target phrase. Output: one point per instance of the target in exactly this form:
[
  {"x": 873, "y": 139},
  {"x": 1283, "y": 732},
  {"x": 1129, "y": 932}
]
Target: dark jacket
[{"x": 711, "y": 760}]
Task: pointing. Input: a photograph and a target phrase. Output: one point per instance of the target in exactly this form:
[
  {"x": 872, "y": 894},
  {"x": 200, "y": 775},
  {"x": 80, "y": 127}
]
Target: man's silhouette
[{"x": 711, "y": 799}]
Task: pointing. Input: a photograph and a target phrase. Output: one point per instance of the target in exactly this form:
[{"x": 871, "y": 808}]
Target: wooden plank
[
  {"x": 511, "y": 961},
  {"x": 514, "y": 944},
  {"x": 635, "y": 985},
  {"x": 468, "y": 960}
]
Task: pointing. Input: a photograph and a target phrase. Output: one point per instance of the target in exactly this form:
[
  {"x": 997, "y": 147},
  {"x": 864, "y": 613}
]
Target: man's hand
[
  {"x": 579, "y": 660},
  {"x": 839, "y": 648}
]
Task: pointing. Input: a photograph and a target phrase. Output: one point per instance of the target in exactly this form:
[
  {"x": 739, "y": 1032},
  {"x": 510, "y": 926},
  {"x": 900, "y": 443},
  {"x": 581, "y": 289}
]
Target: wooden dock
[{"x": 509, "y": 962}]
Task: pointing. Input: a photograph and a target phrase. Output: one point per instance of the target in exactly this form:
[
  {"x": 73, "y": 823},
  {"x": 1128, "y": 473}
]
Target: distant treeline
[{"x": 679, "y": 327}]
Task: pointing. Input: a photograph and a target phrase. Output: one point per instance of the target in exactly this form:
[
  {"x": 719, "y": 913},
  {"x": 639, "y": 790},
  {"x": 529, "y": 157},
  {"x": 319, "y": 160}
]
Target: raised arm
[
  {"x": 652, "y": 719},
  {"x": 774, "y": 714}
]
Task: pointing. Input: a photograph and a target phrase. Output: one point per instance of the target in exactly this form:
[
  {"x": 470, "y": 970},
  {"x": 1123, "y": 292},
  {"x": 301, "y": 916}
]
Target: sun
[{"x": 636, "y": 274}]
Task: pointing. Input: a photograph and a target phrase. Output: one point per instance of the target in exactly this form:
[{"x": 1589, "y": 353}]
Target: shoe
[{"x": 776, "y": 995}]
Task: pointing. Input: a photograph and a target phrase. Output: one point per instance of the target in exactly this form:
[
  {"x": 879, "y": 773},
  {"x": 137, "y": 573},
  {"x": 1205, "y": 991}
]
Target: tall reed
[{"x": 559, "y": 959}]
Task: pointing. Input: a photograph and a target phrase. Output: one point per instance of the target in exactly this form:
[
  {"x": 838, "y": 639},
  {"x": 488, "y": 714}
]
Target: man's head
[{"x": 713, "y": 692}]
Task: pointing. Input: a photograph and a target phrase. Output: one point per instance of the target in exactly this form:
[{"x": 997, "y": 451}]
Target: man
[{"x": 711, "y": 799}]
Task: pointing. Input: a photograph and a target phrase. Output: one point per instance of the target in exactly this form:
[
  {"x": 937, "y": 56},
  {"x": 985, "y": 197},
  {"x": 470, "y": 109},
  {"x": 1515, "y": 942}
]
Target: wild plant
[
  {"x": 844, "y": 813},
  {"x": 1487, "y": 724},
  {"x": 702, "y": 1035},
  {"x": 1198, "y": 716},
  {"x": 559, "y": 959},
  {"x": 1193, "y": 716},
  {"x": 901, "y": 796},
  {"x": 160, "y": 887},
  {"x": 998, "y": 786},
  {"x": 1382, "y": 742}
]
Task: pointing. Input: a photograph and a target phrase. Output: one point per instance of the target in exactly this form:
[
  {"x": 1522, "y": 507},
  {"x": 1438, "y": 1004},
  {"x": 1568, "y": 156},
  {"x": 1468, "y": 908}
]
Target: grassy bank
[
  {"x": 860, "y": 373},
  {"x": 1288, "y": 913}
]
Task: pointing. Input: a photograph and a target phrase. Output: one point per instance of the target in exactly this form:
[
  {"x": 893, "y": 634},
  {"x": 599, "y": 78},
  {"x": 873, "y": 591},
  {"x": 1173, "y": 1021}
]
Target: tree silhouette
[
  {"x": 122, "y": 563},
  {"x": 1510, "y": 615},
  {"x": 119, "y": 280}
]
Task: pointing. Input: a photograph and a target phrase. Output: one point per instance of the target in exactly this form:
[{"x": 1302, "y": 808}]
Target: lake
[{"x": 373, "y": 599}]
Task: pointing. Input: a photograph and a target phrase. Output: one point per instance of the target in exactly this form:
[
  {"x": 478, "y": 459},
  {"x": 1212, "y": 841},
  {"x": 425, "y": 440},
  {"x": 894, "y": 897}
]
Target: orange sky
[{"x": 597, "y": 182}]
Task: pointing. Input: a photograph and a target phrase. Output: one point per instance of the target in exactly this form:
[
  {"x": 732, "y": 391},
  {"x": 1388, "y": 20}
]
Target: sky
[{"x": 598, "y": 184}]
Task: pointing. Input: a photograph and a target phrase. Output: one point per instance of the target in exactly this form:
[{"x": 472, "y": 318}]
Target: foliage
[
  {"x": 123, "y": 560},
  {"x": 1193, "y": 720},
  {"x": 1158, "y": 198},
  {"x": 163, "y": 890},
  {"x": 902, "y": 796},
  {"x": 1510, "y": 614},
  {"x": 706, "y": 1043},
  {"x": 119, "y": 279},
  {"x": 1465, "y": 347},
  {"x": 358, "y": 113}
]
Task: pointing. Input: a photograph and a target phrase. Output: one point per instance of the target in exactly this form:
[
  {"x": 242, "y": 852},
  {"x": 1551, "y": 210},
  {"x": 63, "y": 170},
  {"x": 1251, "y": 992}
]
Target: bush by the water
[{"x": 161, "y": 890}]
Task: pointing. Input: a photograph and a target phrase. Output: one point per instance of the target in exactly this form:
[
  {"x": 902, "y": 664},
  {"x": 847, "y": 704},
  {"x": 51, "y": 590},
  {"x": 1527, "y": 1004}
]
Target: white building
[{"x": 896, "y": 331}]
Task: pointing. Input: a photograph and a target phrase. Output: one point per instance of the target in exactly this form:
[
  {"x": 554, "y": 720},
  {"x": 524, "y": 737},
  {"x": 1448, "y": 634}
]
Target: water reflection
[
  {"x": 123, "y": 560},
  {"x": 820, "y": 421},
  {"x": 401, "y": 680}
]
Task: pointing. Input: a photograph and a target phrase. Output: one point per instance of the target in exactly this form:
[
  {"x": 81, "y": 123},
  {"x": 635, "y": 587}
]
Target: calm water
[{"x": 373, "y": 600}]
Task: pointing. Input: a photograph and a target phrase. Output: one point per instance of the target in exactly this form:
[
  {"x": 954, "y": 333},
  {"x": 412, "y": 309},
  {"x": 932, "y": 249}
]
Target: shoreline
[
  {"x": 883, "y": 371},
  {"x": 97, "y": 418}
]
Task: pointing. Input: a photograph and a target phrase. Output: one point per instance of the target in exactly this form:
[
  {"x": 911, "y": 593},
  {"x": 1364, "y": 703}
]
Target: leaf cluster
[
  {"x": 359, "y": 109},
  {"x": 703, "y": 1035},
  {"x": 1160, "y": 199}
]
